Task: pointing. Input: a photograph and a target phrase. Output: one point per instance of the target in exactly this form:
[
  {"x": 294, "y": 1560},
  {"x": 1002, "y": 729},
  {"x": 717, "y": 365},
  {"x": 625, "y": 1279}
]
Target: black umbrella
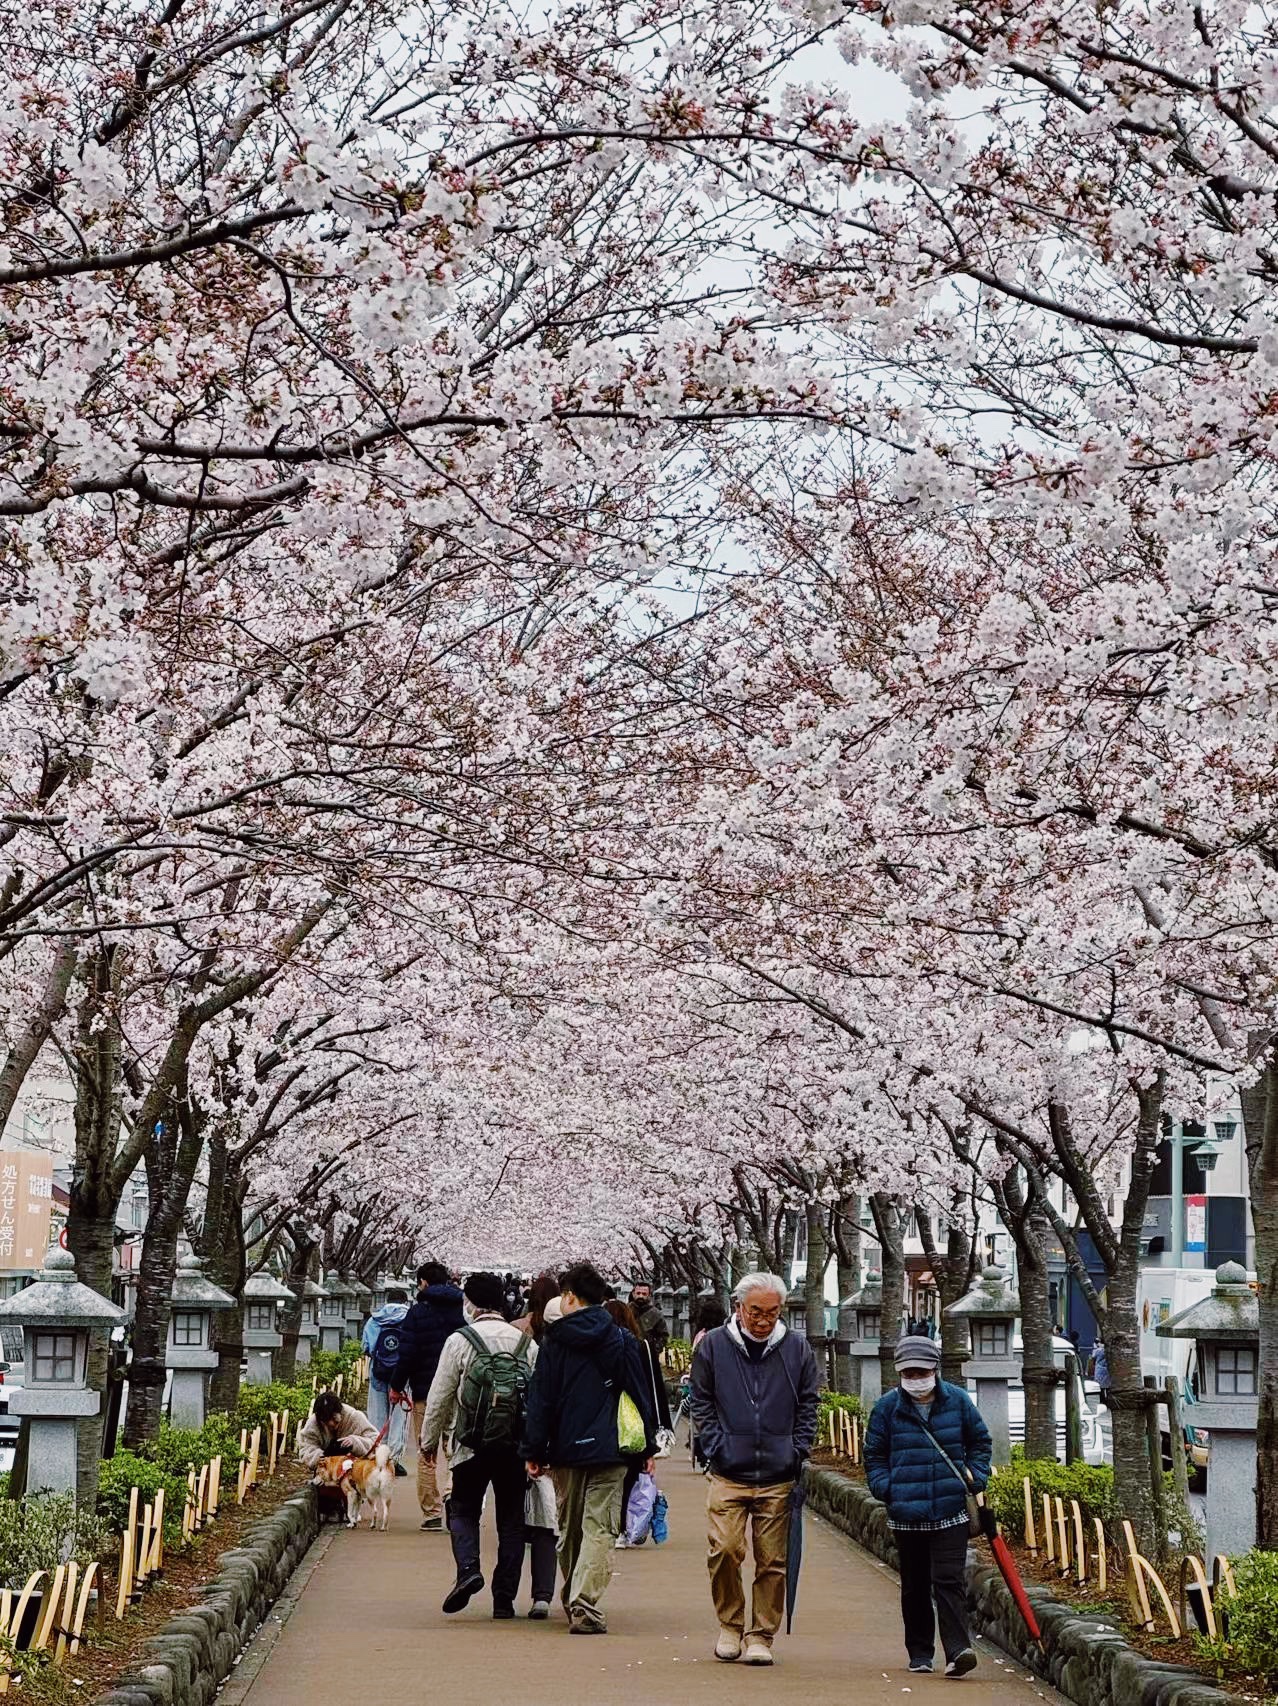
[{"x": 794, "y": 1550}]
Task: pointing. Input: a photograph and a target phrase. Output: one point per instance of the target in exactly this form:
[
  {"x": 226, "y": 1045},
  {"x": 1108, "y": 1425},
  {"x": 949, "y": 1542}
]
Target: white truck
[{"x": 1162, "y": 1293}]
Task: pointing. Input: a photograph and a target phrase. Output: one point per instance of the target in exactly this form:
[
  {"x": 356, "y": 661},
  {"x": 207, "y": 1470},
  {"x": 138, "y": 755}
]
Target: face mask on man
[
  {"x": 920, "y": 1386},
  {"x": 469, "y": 1312}
]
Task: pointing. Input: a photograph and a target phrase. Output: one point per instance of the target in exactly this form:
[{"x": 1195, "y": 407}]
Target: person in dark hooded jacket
[
  {"x": 436, "y": 1314},
  {"x": 570, "y": 1423},
  {"x": 926, "y": 1447}
]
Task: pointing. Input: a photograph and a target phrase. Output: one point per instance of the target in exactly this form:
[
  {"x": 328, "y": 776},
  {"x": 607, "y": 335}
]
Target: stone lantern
[
  {"x": 190, "y": 1355},
  {"x": 845, "y": 1370},
  {"x": 1226, "y": 1327},
  {"x": 308, "y": 1328},
  {"x": 263, "y": 1295},
  {"x": 796, "y": 1312},
  {"x": 57, "y": 1314},
  {"x": 866, "y": 1308},
  {"x": 663, "y": 1297},
  {"x": 991, "y": 1310},
  {"x": 356, "y": 1295},
  {"x": 681, "y": 1312},
  {"x": 332, "y": 1314}
]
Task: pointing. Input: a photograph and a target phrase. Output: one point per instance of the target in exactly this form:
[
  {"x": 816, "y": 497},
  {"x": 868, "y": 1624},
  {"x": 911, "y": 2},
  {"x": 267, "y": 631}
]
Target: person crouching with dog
[{"x": 333, "y": 1429}]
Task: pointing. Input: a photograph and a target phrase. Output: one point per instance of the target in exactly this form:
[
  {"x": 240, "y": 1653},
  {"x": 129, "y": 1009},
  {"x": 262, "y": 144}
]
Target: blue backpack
[{"x": 386, "y": 1353}]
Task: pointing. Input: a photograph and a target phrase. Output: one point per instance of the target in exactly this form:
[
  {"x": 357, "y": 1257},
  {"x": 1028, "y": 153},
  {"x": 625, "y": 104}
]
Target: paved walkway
[{"x": 366, "y": 1629}]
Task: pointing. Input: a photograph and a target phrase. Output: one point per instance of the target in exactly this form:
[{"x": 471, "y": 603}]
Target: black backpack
[{"x": 386, "y": 1353}]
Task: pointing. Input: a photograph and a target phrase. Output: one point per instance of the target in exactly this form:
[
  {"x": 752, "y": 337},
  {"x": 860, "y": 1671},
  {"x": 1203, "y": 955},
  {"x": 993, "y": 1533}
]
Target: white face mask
[
  {"x": 469, "y": 1312},
  {"x": 920, "y": 1386}
]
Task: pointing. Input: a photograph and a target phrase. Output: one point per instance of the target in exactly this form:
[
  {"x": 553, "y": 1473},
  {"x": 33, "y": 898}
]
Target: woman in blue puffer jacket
[{"x": 914, "y": 1428}]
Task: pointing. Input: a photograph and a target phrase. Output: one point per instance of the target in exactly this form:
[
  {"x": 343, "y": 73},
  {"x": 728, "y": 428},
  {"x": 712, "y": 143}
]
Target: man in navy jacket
[
  {"x": 926, "y": 1448},
  {"x": 436, "y": 1314},
  {"x": 754, "y": 1402},
  {"x": 584, "y": 1365}
]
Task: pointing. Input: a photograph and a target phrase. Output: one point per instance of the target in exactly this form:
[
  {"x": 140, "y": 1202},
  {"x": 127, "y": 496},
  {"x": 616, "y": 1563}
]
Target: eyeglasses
[{"x": 755, "y": 1313}]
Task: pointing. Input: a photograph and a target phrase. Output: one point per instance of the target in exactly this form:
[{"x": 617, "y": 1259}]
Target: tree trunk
[
  {"x": 847, "y": 1244},
  {"x": 1260, "y": 1124},
  {"x": 35, "y": 1033},
  {"x": 889, "y": 1223},
  {"x": 94, "y": 1193},
  {"x": 305, "y": 1249},
  {"x": 171, "y": 1161},
  {"x": 953, "y": 1273},
  {"x": 814, "y": 1272},
  {"x": 1039, "y": 1372}
]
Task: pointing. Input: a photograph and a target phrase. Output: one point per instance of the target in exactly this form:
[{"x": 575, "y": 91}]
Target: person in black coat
[
  {"x": 585, "y": 1364},
  {"x": 436, "y": 1313}
]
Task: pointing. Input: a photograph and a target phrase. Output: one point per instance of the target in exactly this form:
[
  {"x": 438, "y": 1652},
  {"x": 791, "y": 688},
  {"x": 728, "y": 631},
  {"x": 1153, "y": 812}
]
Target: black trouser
[
  {"x": 505, "y": 1473},
  {"x": 933, "y": 1567},
  {"x": 543, "y": 1546}
]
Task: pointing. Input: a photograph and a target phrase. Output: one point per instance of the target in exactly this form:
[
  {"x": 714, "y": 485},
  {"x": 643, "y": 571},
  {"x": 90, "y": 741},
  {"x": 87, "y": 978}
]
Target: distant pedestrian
[
  {"x": 710, "y": 1314},
  {"x": 478, "y": 1396},
  {"x": 540, "y": 1292},
  {"x": 926, "y": 1447},
  {"x": 422, "y": 1335},
  {"x": 624, "y": 1316},
  {"x": 586, "y": 1364},
  {"x": 380, "y": 1344},
  {"x": 652, "y": 1323},
  {"x": 1100, "y": 1368},
  {"x": 754, "y": 1403}
]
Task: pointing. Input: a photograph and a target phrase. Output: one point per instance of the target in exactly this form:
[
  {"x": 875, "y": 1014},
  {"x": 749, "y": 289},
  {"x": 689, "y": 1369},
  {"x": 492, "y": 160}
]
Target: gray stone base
[
  {"x": 1087, "y": 1658},
  {"x": 194, "y": 1653}
]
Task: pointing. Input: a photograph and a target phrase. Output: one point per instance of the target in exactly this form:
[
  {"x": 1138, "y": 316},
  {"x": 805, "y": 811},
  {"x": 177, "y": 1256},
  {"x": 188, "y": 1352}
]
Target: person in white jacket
[{"x": 476, "y": 1465}]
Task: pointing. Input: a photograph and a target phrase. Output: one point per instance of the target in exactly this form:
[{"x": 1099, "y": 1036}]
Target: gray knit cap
[{"x": 915, "y": 1351}]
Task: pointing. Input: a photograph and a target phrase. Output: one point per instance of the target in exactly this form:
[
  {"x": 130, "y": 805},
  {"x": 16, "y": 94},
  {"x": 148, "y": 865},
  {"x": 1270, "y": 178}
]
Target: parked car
[
  {"x": 1097, "y": 1445},
  {"x": 11, "y": 1376}
]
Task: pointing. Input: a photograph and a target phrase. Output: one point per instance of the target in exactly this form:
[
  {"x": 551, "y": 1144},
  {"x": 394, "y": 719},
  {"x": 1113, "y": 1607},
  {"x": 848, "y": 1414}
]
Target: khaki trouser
[
  {"x": 589, "y": 1523},
  {"x": 433, "y": 1479},
  {"x": 729, "y": 1506}
]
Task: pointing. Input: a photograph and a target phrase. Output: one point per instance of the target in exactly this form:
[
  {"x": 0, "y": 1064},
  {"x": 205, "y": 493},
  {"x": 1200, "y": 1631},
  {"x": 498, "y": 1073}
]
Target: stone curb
[
  {"x": 1086, "y": 1657},
  {"x": 192, "y": 1655}
]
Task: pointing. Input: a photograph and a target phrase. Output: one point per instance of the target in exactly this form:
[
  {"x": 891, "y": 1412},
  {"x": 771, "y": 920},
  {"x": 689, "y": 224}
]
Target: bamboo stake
[
  {"x": 6, "y": 1600},
  {"x": 142, "y": 1568},
  {"x": 49, "y": 1611},
  {"x": 1102, "y": 1565},
  {"x": 1080, "y": 1548},
  {"x": 126, "y": 1555},
  {"x": 241, "y": 1477},
  {"x": 215, "y": 1486},
  {"x": 190, "y": 1515},
  {"x": 856, "y": 1440},
  {"x": 1031, "y": 1539},
  {"x": 254, "y": 1453},
  {"x": 63, "y": 1624},
  {"x": 202, "y": 1495},
  {"x": 86, "y": 1589},
  {"x": 1135, "y": 1580},
  {"x": 155, "y": 1563},
  {"x": 272, "y": 1442},
  {"x": 1063, "y": 1558},
  {"x": 1048, "y": 1547},
  {"x": 1190, "y": 1565}
]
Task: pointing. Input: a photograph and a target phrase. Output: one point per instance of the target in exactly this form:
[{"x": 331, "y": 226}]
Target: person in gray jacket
[{"x": 754, "y": 1403}]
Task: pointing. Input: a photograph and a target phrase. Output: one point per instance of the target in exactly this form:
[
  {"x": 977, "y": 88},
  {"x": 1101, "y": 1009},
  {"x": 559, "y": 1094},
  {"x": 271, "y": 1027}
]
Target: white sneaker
[
  {"x": 728, "y": 1646},
  {"x": 757, "y": 1652}
]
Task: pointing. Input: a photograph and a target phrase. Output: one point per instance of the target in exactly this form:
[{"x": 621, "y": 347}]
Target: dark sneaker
[
  {"x": 464, "y": 1590},
  {"x": 503, "y": 1608},
  {"x": 922, "y": 1665},
  {"x": 540, "y": 1610},
  {"x": 400, "y": 1469},
  {"x": 585, "y": 1623},
  {"x": 433, "y": 1525},
  {"x": 961, "y": 1663}
]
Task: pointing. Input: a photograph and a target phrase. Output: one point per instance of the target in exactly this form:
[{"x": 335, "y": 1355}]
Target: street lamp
[{"x": 1206, "y": 1153}]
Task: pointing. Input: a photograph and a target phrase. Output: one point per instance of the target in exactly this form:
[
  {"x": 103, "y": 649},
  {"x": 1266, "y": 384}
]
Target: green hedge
[
  {"x": 43, "y": 1530},
  {"x": 1092, "y": 1486},
  {"x": 126, "y": 1470},
  {"x": 831, "y": 1401},
  {"x": 1252, "y": 1643}
]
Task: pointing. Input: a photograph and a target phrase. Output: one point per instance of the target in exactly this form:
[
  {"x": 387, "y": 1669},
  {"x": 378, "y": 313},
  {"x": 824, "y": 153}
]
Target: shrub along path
[{"x": 367, "y": 1625}]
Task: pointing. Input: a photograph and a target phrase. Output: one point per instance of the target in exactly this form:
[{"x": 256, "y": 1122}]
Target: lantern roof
[
  {"x": 192, "y": 1288},
  {"x": 1230, "y": 1312},
  {"x": 58, "y": 1299},
  {"x": 265, "y": 1288},
  {"x": 338, "y": 1287},
  {"x": 870, "y": 1295},
  {"x": 991, "y": 1296},
  {"x": 312, "y": 1289}
]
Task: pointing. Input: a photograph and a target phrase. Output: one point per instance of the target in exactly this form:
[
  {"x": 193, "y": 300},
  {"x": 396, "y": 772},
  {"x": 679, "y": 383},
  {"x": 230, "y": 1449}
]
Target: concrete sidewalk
[{"x": 366, "y": 1628}]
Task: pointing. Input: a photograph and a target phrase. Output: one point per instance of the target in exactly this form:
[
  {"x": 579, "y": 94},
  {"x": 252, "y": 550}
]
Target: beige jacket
[
  {"x": 313, "y": 1438},
  {"x": 441, "y": 1400}
]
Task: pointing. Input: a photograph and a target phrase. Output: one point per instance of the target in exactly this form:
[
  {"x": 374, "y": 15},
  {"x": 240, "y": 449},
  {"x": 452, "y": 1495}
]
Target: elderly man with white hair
[{"x": 754, "y": 1402}]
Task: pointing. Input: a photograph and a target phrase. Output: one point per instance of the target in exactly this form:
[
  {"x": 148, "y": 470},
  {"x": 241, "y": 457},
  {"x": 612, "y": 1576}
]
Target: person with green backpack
[
  {"x": 478, "y": 1398},
  {"x": 589, "y": 1417}
]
